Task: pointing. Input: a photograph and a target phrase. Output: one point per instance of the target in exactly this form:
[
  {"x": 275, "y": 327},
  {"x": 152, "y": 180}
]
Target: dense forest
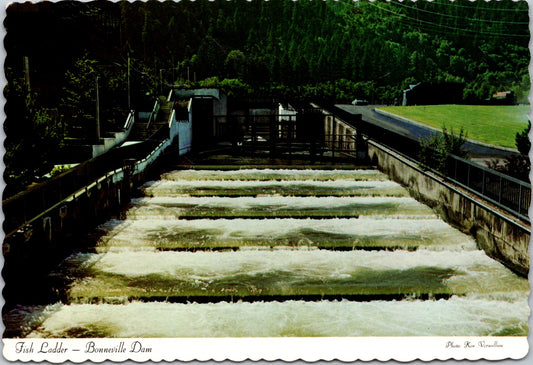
[{"x": 334, "y": 50}]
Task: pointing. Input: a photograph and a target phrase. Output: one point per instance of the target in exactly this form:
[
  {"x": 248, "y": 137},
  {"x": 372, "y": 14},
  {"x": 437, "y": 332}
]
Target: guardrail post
[
  {"x": 254, "y": 130},
  {"x": 333, "y": 138},
  {"x": 500, "y": 190},
  {"x": 361, "y": 146},
  {"x": 291, "y": 125},
  {"x": 272, "y": 134},
  {"x": 483, "y": 183},
  {"x": 520, "y": 199},
  {"x": 128, "y": 167}
]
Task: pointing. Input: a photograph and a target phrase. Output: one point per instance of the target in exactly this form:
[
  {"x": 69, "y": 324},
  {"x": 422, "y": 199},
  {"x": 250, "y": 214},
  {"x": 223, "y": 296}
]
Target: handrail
[
  {"x": 466, "y": 187},
  {"x": 30, "y": 202},
  {"x": 524, "y": 191},
  {"x": 115, "y": 174},
  {"x": 153, "y": 114},
  {"x": 434, "y": 175},
  {"x": 171, "y": 119},
  {"x": 129, "y": 120},
  {"x": 120, "y": 137},
  {"x": 492, "y": 171}
]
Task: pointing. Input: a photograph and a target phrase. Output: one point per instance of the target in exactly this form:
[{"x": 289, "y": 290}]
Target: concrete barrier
[
  {"x": 91, "y": 204},
  {"x": 502, "y": 236}
]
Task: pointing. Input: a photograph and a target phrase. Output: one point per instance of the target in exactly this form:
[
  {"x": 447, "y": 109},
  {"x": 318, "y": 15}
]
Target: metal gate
[{"x": 311, "y": 131}]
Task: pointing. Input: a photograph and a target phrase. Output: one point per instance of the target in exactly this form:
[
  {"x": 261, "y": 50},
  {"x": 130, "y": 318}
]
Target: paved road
[{"x": 414, "y": 131}]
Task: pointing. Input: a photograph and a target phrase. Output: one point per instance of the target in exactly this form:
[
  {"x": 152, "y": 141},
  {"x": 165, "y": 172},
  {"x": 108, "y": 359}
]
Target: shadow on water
[
  {"x": 205, "y": 239},
  {"x": 277, "y": 285},
  {"x": 30, "y": 281},
  {"x": 45, "y": 277}
]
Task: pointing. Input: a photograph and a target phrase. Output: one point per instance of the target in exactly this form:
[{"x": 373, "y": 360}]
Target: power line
[
  {"x": 447, "y": 3},
  {"x": 141, "y": 72},
  {"x": 449, "y": 27},
  {"x": 458, "y": 17},
  {"x": 435, "y": 29}
]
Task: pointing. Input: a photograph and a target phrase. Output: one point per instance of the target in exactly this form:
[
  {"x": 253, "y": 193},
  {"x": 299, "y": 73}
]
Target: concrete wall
[
  {"x": 343, "y": 132},
  {"x": 183, "y": 131},
  {"x": 220, "y": 105},
  {"x": 118, "y": 139},
  {"x": 94, "y": 203},
  {"x": 88, "y": 206},
  {"x": 500, "y": 235},
  {"x": 31, "y": 250}
]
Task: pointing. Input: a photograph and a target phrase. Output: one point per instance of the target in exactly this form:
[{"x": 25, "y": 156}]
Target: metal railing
[
  {"x": 505, "y": 191},
  {"x": 129, "y": 120},
  {"x": 316, "y": 132},
  {"x": 153, "y": 114},
  {"x": 27, "y": 204}
]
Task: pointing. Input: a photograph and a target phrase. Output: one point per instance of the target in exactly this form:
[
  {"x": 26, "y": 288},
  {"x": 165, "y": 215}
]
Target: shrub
[
  {"x": 519, "y": 165},
  {"x": 435, "y": 151}
]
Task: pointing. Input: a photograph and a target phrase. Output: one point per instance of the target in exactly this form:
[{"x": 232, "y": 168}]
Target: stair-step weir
[{"x": 280, "y": 252}]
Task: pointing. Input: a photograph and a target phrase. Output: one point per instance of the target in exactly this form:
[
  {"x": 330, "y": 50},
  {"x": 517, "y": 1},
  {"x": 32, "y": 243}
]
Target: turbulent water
[{"x": 253, "y": 253}]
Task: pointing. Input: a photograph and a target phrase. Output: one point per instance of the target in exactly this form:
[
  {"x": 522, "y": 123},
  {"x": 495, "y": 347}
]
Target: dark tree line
[
  {"x": 304, "y": 43},
  {"x": 329, "y": 50}
]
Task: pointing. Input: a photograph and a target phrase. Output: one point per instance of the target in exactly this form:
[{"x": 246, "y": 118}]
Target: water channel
[{"x": 279, "y": 252}]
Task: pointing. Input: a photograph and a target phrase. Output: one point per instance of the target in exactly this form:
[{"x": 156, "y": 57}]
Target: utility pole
[
  {"x": 27, "y": 71},
  {"x": 129, "y": 85},
  {"x": 160, "y": 81},
  {"x": 97, "y": 111},
  {"x": 172, "y": 60}
]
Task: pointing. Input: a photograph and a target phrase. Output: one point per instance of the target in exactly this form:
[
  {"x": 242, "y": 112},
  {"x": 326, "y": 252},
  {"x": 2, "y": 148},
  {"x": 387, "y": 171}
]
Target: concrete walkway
[{"x": 479, "y": 151}]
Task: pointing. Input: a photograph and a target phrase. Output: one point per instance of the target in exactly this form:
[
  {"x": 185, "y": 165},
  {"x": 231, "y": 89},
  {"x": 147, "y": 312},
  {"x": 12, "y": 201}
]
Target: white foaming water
[
  {"x": 136, "y": 234},
  {"x": 455, "y": 317},
  {"x": 165, "y": 187},
  {"x": 319, "y": 261},
  {"x": 274, "y": 174},
  {"x": 495, "y": 301},
  {"x": 240, "y": 184},
  {"x": 473, "y": 270},
  {"x": 279, "y": 201}
]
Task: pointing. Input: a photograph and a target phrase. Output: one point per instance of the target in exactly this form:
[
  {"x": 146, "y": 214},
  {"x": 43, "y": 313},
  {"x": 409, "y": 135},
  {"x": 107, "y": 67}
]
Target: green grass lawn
[{"x": 495, "y": 125}]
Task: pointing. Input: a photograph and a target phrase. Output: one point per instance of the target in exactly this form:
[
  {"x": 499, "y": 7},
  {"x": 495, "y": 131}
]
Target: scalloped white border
[
  {"x": 269, "y": 349},
  {"x": 318, "y": 349}
]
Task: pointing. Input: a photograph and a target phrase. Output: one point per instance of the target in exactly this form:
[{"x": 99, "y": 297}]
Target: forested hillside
[
  {"x": 334, "y": 44},
  {"x": 335, "y": 50}
]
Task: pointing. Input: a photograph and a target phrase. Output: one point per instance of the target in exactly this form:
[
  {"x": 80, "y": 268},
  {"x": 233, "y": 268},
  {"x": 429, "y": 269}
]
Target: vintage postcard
[{"x": 266, "y": 180}]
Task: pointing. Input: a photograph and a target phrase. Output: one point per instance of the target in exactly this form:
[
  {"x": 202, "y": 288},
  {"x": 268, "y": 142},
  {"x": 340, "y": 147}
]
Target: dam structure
[
  {"x": 216, "y": 251},
  {"x": 278, "y": 240}
]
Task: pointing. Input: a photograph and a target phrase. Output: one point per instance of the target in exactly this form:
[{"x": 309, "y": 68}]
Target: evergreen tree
[{"x": 33, "y": 137}]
